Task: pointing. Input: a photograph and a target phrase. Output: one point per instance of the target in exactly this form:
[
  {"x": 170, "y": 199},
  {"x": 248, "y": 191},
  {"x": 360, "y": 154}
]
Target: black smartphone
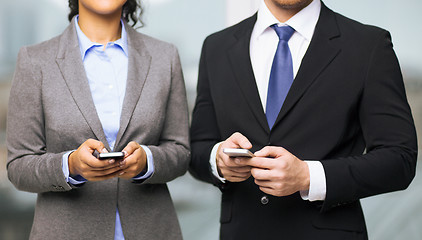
[{"x": 110, "y": 155}]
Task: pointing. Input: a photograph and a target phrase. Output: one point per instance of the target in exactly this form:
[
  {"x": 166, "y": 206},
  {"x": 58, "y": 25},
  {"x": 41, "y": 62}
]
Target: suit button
[{"x": 264, "y": 200}]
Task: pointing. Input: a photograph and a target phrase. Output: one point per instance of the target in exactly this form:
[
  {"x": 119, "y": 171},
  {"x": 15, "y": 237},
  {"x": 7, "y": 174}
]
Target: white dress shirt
[{"x": 263, "y": 46}]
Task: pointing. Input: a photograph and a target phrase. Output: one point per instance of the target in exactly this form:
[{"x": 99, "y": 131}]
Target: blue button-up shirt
[{"x": 106, "y": 68}]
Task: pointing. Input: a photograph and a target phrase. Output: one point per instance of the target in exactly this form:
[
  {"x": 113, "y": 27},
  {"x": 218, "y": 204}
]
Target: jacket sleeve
[
  {"x": 387, "y": 125},
  {"x": 172, "y": 154},
  {"x": 204, "y": 128},
  {"x": 30, "y": 167}
]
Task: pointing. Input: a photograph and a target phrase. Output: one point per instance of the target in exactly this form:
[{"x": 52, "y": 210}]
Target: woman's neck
[{"x": 99, "y": 28}]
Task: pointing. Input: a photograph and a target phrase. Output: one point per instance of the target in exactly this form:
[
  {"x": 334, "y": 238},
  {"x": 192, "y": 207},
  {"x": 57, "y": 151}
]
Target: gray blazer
[{"x": 51, "y": 111}]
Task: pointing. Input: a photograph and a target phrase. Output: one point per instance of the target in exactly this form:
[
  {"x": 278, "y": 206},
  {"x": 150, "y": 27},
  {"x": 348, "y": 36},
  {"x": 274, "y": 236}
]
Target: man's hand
[
  {"x": 233, "y": 169},
  {"x": 278, "y": 172},
  {"x": 82, "y": 162},
  {"x": 134, "y": 162}
]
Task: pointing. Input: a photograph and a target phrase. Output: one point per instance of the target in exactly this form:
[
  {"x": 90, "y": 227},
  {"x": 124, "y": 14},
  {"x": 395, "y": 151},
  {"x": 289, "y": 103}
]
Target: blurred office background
[{"x": 186, "y": 23}]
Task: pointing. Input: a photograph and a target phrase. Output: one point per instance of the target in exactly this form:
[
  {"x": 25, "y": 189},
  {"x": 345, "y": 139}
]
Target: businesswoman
[{"x": 100, "y": 86}]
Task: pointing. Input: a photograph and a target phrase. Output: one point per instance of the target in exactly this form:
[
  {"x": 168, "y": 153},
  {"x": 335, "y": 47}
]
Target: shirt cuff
[
  {"x": 213, "y": 162},
  {"x": 317, "y": 187},
  {"x": 146, "y": 173},
  {"x": 75, "y": 180}
]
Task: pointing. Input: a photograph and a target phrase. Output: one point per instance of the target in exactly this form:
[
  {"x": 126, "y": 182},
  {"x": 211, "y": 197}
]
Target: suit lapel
[
  {"x": 239, "y": 55},
  {"x": 138, "y": 67},
  {"x": 70, "y": 64},
  {"x": 320, "y": 54}
]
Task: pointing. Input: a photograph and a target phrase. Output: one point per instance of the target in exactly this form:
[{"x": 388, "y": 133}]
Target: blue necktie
[{"x": 281, "y": 77}]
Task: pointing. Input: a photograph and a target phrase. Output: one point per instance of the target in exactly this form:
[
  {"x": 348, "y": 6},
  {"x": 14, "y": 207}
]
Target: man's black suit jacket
[{"x": 347, "y": 108}]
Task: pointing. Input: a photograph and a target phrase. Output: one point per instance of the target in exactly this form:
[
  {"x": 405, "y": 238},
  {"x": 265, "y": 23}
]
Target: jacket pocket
[{"x": 346, "y": 217}]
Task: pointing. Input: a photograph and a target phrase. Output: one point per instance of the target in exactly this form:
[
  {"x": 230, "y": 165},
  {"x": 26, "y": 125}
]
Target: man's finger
[
  {"x": 269, "y": 191},
  {"x": 241, "y": 141},
  {"x": 270, "y": 151},
  {"x": 264, "y": 183},
  {"x": 261, "y": 162},
  {"x": 237, "y": 179},
  {"x": 261, "y": 174},
  {"x": 240, "y": 169}
]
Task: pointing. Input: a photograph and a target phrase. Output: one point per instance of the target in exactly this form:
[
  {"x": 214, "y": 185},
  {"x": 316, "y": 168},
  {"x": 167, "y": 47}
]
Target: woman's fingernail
[
  {"x": 122, "y": 163},
  {"x": 111, "y": 161}
]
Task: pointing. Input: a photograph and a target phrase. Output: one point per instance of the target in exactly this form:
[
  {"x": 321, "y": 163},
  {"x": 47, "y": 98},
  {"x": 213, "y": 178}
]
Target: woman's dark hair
[{"x": 132, "y": 11}]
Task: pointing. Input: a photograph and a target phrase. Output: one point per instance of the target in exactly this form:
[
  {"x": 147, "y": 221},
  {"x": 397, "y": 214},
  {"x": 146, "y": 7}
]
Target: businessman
[{"x": 320, "y": 101}]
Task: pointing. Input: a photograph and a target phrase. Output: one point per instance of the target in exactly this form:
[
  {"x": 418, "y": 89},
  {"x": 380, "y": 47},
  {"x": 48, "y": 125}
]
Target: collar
[
  {"x": 85, "y": 43},
  {"x": 303, "y": 22}
]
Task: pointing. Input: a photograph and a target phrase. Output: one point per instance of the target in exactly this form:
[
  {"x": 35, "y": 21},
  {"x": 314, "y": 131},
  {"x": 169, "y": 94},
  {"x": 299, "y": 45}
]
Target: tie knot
[{"x": 283, "y": 32}]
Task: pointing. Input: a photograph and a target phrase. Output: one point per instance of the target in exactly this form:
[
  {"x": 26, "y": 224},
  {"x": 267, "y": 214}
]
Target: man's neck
[{"x": 283, "y": 14}]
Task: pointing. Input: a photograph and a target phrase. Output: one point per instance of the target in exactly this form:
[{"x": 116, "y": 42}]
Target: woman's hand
[
  {"x": 82, "y": 162},
  {"x": 134, "y": 162}
]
